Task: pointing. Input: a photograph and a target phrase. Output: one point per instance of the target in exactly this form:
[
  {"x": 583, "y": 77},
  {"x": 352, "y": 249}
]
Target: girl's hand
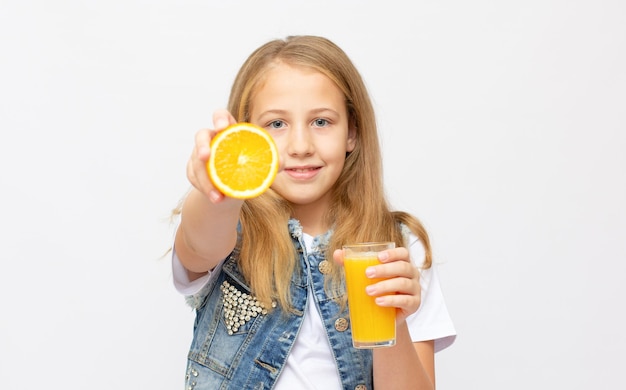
[
  {"x": 196, "y": 166},
  {"x": 401, "y": 289}
]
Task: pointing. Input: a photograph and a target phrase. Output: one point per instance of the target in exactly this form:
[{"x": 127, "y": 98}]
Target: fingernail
[
  {"x": 214, "y": 196},
  {"x": 370, "y": 272},
  {"x": 370, "y": 290},
  {"x": 382, "y": 256}
]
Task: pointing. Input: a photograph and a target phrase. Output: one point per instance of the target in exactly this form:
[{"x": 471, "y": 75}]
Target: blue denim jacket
[{"x": 237, "y": 344}]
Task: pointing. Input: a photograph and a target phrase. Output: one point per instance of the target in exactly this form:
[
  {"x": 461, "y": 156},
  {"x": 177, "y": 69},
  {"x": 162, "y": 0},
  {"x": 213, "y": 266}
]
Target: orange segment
[{"x": 243, "y": 161}]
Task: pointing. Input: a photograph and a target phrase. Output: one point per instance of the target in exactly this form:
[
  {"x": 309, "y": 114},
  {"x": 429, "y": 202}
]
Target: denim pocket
[
  {"x": 239, "y": 309},
  {"x": 225, "y": 327}
]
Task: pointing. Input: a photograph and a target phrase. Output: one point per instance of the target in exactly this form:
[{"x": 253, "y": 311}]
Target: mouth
[{"x": 302, "y": 172}]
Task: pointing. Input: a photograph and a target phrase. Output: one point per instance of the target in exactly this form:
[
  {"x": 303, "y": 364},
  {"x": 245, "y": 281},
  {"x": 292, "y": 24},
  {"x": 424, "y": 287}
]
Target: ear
[{"x": 352, "y": 135}]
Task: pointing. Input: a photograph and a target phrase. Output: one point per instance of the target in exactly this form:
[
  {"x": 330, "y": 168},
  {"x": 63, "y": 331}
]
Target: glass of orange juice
[{"x": 372, "y": 326}]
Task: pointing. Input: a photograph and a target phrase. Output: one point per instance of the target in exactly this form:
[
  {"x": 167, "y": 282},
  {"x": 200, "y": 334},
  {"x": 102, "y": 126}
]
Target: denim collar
[{"x": 320, "y": 242}]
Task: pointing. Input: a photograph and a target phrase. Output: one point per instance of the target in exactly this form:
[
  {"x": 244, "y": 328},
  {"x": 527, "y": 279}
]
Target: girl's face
[{"x": 306, "y": 114}]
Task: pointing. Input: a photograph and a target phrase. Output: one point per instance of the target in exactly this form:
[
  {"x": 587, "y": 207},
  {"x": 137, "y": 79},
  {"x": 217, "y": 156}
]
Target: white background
[{"x": 504, "y": 130}]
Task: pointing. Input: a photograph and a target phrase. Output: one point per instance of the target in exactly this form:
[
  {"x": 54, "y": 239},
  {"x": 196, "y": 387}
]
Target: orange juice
[{"x": 372, "y": 325}]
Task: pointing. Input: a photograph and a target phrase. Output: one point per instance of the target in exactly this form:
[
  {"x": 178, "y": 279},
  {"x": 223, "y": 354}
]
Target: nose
[{"x": 300, "y": 142}]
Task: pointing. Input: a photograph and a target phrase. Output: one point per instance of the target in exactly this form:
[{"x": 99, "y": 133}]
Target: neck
[{"x": 311, "y": 219}]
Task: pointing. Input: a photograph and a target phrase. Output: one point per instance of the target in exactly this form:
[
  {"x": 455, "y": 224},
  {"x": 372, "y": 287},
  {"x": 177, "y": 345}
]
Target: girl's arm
[
  {"x": 207, "y": 232},
  {"x": 426, "y": 353},
  {"x": 406, "y": 365}
]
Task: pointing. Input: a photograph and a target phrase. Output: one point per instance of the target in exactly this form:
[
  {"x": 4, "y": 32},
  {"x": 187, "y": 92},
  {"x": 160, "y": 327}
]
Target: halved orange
[{"x": 243, "y": 161}]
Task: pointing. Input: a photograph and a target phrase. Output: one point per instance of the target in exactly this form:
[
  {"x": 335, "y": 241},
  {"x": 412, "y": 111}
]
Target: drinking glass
[{"x": 372, "y": 326}]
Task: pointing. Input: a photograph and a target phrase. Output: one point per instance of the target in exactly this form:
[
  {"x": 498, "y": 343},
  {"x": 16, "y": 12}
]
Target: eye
[
  {"x": 320, "y": 122},
  {"x": 277, "y": 124}
]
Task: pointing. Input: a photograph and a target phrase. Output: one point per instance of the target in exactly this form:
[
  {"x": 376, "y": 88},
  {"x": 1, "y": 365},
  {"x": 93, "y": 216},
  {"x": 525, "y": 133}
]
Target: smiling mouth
[
  {"x": 302, "y": 173},
  {"x": 302, "y": 170}
]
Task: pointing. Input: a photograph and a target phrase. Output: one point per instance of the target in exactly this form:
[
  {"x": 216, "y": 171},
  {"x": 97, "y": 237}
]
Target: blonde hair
[{"x": 359, "y": 210}]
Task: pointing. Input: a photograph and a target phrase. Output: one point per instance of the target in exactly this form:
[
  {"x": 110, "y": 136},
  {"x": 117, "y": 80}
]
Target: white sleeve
[
  {"x": 195, "y": 291},
  {"x": 432, "y": 320},
  {"x": 181, "y": 278}
]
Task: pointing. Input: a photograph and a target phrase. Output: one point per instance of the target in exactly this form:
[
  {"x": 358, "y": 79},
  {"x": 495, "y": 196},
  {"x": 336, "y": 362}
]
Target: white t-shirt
[{"x": 310, "y": 365}]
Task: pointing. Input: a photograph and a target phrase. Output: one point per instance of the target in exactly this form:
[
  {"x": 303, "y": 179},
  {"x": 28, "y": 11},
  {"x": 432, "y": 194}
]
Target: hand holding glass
[{"x": 372, "y": 326}]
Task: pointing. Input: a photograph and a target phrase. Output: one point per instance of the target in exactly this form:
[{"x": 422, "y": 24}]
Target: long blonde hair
[{"x": 359, "y": 210}]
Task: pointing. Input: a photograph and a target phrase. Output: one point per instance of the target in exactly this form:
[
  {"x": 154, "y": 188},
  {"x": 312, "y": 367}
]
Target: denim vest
[{"x": 238, "y": 344}]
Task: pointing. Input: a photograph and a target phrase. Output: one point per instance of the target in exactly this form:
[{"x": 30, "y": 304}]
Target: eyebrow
[
  {"x": 273, "y": 111},
  {"x": 283, "y": 112}
]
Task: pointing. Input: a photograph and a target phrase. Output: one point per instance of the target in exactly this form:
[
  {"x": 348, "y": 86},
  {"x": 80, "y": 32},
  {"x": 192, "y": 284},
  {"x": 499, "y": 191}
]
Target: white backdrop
[{"x": 504, "y": 130}]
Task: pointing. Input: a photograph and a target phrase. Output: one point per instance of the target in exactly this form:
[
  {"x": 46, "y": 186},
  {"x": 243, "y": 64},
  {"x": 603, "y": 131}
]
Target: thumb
[{"x": 338, "y": 256}]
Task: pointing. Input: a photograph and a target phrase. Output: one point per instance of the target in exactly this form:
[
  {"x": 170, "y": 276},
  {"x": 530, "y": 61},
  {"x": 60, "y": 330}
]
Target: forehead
[{"x": 286, "y": 82}]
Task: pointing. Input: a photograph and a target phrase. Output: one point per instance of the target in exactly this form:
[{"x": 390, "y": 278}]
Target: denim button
[
  {"x": 341, "y": 324},
  {"x": 360, "y": 387},
  {"x": 324, "y": 267}
]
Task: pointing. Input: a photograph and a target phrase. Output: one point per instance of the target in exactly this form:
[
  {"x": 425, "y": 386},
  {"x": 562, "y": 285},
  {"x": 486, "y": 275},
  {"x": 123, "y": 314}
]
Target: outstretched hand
[
  {"x": 196, "y": 165},
  {"x": 400, "y": 289}
]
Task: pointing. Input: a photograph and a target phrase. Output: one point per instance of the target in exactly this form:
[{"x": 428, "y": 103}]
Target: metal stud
[{"x": 239, "y": 307}]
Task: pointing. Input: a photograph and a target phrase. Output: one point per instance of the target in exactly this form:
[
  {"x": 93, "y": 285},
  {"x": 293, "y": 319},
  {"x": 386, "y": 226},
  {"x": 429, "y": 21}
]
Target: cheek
[
  {"x": 283, "y": 156},
  {"x": 336, "y": 153},
  {"x": 280, "y": 144}
]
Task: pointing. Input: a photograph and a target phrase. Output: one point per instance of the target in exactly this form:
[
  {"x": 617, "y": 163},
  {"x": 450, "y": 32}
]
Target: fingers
[
  {"x": 400, "y": 286},
  {"x": 398, "y": 278},
  {"x": 202, "y": 147},
  {"x": 197, "y": 163},
  {"x": 396, "y": 263},
  {"x": 222, "y": 119},
  {"x": 400, "y": 292}
]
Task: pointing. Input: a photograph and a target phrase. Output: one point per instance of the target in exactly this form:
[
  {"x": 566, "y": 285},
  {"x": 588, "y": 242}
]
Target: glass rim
[{"x": 369, "y": 244}]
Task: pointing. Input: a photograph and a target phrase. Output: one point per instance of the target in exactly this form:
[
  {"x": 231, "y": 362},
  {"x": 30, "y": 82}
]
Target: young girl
[{"x": 265, "y": 274}]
